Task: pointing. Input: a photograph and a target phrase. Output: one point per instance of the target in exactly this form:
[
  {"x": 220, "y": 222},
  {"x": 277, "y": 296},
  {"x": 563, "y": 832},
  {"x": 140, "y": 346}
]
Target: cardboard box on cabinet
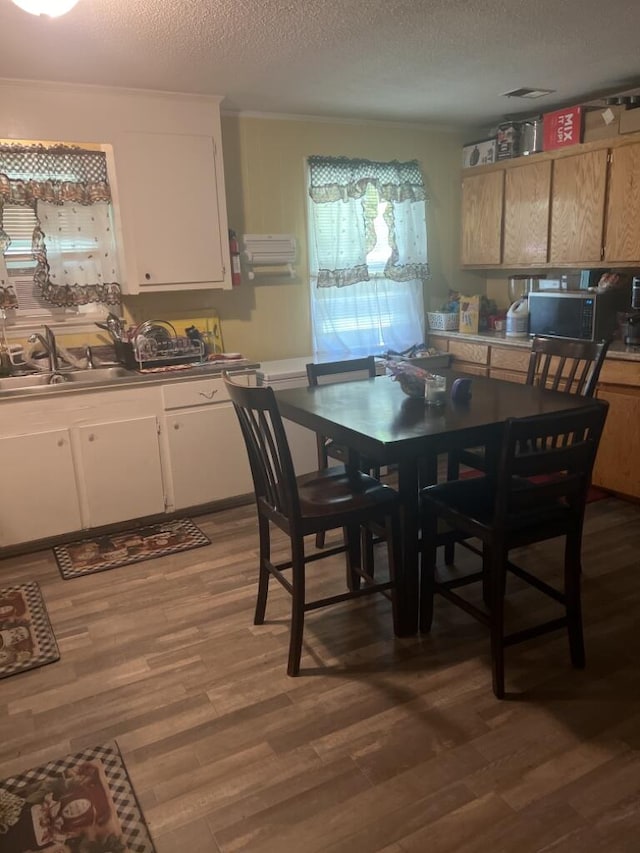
[
  {"x": 562, "y": 128},
  {"x": 630, "y": 121},
  {"x": 480, "y": 153},
  {"x": 602, "y": 123}
]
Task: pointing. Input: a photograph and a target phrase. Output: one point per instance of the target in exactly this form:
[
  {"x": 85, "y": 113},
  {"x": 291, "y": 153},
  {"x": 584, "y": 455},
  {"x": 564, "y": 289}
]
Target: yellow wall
[{"x": 265, "y": 181}]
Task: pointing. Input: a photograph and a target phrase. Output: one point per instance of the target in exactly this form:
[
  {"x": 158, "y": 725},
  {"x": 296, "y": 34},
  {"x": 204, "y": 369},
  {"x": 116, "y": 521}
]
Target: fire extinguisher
[{"x": 234, "y": 251}]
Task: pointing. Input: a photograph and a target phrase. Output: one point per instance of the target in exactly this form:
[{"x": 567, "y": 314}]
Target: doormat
[
  {"x": 101, "y": 553},
  {"x": 82, "y": 803},
  {"x": 26, "y": 637}
]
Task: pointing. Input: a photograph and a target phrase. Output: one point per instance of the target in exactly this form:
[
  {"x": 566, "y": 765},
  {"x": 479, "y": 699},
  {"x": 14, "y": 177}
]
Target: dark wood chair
[
  {"x": 555, "y": 364},
  {"x": 320, "y": 501},
  {"x": 340, "y": 371},
  {"x": 538, "y": 492}
]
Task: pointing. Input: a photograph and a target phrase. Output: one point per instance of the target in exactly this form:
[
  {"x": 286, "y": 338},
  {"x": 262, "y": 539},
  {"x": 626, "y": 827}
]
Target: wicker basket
[{"x": 443, "y": 322}]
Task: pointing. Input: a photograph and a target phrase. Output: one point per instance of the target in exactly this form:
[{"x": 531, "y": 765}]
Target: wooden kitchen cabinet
[
  {"x": 574, "y": 207},
  {"x": 618, "y": 462},
  {"x": 482, "y": 204},
  {"x": 40, "y": 496},
  {"x": 622, "y": 236},
  {"x": 120, "y": 470},
  {"x": 526, "y": 214},
  {"x": 577, "y": 208}
]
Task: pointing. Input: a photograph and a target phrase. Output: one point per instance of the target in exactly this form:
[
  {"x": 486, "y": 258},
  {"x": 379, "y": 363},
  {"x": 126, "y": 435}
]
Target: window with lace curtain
[
  {"x": 58, "y": 254},
  {"x": 368, "y": 255}
]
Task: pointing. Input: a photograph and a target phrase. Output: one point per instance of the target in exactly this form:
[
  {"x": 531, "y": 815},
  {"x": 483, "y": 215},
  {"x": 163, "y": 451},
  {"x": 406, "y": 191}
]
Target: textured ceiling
[{"x": 445, "y": 62}]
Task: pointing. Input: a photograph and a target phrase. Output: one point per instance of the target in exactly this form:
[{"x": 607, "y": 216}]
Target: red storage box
[{"x": 562, "y": 128}]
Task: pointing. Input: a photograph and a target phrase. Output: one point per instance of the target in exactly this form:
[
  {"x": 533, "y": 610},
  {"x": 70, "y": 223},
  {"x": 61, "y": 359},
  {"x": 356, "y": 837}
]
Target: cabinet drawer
[
  {"x": 199, "y": 392},
  {"x": 508, "y": 375},
  {"x": 510, "y": 359},
  {"x": 463, "y": 351},
  {"x": 620, "y": 373}
]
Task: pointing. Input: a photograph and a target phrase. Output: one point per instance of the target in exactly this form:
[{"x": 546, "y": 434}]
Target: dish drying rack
[{"x": 155, "y": 343}]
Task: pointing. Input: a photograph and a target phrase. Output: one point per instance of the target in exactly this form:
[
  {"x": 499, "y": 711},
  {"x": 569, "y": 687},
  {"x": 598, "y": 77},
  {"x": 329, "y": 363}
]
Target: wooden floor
[{"x": 380, "y": 745}]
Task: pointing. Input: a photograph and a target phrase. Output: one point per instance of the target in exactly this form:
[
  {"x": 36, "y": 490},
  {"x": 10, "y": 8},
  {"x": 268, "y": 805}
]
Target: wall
[{"x": 265, "y": 180}]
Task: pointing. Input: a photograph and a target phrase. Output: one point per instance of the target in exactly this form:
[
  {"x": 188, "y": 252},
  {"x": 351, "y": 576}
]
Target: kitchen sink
[
  {"x": 15, "y": 383},
  {"x": 65, "y": 377},
  {"x": 98, "y": 374}
]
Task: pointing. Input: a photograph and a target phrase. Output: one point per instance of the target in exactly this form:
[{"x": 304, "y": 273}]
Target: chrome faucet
[
  {"x": 48, "y": 343},
  {"x": 89, "y": 356}
]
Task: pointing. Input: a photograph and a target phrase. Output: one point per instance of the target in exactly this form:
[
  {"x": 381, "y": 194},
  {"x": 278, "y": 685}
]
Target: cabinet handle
[
  {"x": 208, "y": 394},
  {"x": 176, "y": 426},
  {"x": 92, "y": 437},
  {"x": 147, "y": 275},
  {"x": 61, "y": 442}
]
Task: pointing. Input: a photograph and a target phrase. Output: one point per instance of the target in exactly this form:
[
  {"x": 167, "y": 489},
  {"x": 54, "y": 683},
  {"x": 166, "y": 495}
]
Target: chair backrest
[
  {"x": 341, "y": 371},
  {"x": 564, "y": 365},
  {"x": 274, "y": 478},
  {"x": 546, "y": 458}
]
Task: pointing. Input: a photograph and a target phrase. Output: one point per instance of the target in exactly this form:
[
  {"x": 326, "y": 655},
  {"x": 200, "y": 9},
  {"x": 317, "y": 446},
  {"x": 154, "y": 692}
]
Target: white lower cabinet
[
  {"x": 76, "y": 461},
  {"x": 119, "y": 470},
  {"x": 40, "y": 497},
  {"x": 207, "y": 459},
  {"x": 207, "y": 456}
]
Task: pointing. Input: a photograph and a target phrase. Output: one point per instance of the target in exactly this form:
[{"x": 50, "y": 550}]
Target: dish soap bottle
[{"x": 518, "y": 319}]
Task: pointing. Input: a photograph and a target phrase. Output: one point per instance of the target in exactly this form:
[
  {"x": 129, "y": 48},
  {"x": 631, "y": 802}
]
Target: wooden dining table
[{"x": 378, "y": 422}]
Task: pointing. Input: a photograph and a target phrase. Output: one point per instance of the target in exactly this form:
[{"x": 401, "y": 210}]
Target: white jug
[{"x": 518, "y": 319}]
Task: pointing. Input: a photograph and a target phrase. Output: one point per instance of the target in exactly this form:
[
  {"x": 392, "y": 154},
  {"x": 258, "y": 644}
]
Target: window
[
  {"x": 59, "y": 257},
  {"x": 367, "y": 254}
]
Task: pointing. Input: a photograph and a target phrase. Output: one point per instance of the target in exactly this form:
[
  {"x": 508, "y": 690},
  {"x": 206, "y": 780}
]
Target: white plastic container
[{"x": 518, "y": 319}]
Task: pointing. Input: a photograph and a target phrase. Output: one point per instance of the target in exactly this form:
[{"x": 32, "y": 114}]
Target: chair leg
[
  {"x": 453, "y": 473},
  {"x": 353, "y": 555},
  {"x": 263, "y": 572},
  {"x": 428, "y": 552},
  {"x": 572, "y": 573},
  {"x": 396, "y": 573},
  {"x": 297, "y": 605},
  {"x": 368, "y": 562},
  {"x": 497, "y": 567}
]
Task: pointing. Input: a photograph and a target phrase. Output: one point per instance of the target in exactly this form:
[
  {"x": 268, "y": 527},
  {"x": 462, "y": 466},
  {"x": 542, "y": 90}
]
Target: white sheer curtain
[
  {"x": 80, "y": 243},
  {"x": 367, "y": 318},
  {"x": 368, "y": 256}
]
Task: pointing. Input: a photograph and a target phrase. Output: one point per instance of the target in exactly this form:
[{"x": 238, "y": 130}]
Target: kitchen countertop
[
  {"x": 617, "y": 350},
  {"x": 204, "y": 371}
]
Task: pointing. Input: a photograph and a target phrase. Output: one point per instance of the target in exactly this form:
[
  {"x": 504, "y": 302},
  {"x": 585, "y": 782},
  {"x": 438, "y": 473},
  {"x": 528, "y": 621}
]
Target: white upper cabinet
[
  {"x": 170, "y": 203},
  {"x": 164, "y": 154}
]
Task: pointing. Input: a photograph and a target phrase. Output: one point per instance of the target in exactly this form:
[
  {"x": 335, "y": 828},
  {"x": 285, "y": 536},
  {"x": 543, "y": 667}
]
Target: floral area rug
[
  {"x": 82, "y": 803},
  {"x": 100, "y": 553},
  {"x": 26, "y": 637}
]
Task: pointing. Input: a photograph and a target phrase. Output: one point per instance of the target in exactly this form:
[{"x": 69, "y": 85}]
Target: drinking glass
[{"x": 435, "y": 391}]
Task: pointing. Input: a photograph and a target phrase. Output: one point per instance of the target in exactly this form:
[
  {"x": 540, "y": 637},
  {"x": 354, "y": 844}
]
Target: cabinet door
[
  {"x": 40, "y": 495},
  {"x": 482, "y": 200},
  {"x": 207, "y": 456},
  {"x": 617, "y": 463},
  {"x": 121, "y": 474},
  {"x": 526, "y": 214},
  {"x": 169, "y": 189},
  {"x": 622, "y": 240},
  {"x": 577, "y": 208}
]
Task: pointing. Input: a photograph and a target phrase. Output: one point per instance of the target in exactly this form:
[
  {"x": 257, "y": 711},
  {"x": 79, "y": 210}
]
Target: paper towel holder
[{"x": 263, "y": 252}]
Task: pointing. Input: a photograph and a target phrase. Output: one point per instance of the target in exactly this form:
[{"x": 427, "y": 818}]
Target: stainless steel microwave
[{"x": 582, "y": 315}]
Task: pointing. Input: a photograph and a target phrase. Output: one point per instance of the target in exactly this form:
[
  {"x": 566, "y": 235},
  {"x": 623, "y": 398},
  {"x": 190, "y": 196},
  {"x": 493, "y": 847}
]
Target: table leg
[{"x": 408, "y": 491}]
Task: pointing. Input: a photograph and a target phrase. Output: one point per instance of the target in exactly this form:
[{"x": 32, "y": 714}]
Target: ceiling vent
[{"x": 525, "y": 92}]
